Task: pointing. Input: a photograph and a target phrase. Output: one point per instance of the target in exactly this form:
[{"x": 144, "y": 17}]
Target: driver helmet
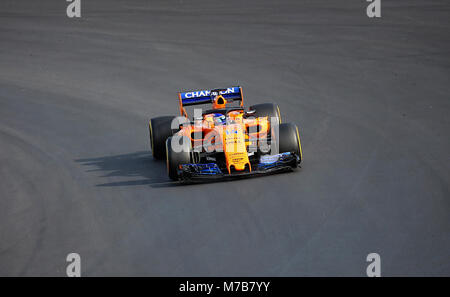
[{"x": 219, "y": 119}]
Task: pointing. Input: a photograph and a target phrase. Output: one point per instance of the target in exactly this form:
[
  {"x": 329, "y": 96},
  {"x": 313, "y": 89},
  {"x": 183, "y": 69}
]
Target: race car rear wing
[{"x": 203, "y": 97}]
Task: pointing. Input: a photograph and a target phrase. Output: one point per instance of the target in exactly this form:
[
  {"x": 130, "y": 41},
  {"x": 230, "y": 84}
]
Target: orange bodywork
[{"x": 232, "y": 139}]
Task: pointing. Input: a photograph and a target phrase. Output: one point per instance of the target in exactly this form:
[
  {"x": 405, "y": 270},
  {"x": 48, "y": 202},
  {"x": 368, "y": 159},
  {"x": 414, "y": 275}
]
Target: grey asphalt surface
[{"x": 371, "y": 97}]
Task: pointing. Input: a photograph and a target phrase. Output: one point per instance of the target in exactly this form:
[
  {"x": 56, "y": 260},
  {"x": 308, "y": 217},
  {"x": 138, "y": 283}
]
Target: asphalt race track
[{"x": 371, "y": 97}]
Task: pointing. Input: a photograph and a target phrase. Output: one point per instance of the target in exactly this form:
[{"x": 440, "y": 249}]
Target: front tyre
[
  {"x": 178, "y": 151},
  {"x": 288, "y": 140}
]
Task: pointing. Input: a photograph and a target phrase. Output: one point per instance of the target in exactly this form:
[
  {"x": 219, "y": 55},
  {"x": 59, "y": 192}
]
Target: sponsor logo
[
  {"x": 205, "y": 93},
  {"x": 234, "y": 131}
]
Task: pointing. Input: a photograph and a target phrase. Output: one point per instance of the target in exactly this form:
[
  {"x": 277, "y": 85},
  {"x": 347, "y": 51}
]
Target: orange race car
[{"x": 225, "y": 140}]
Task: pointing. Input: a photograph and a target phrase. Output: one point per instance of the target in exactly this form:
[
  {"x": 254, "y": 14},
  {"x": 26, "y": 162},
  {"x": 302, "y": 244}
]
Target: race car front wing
[{"x": 211, "y": 171}]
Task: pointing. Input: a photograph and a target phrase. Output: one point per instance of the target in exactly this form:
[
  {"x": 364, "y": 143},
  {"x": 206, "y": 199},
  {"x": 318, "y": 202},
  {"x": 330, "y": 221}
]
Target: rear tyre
[
  {"x": 288, "y": 140},
  {"x": 160, "y": 130},
  {"x": 270, "y": 110},
  {"x": 178, "y": 151}
]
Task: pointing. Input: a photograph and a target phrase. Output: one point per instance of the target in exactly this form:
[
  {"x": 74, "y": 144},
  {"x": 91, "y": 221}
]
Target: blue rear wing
[{"x": 203, "y": 96}]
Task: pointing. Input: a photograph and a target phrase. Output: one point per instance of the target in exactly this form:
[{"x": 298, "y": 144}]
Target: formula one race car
[{"x": 226, "y": 140}]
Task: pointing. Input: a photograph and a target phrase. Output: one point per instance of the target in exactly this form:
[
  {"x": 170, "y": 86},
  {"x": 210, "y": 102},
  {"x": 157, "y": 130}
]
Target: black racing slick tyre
[
  {"x": 160, "y": 130},
  {"x": 288, "y": 140},
  {"x": 270, "y": 110},
  {"x": 178, "y": 151}
]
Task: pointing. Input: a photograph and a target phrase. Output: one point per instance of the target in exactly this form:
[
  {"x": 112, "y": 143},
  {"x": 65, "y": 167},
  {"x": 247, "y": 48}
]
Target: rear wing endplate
[{"x": 203, "y": 97}]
